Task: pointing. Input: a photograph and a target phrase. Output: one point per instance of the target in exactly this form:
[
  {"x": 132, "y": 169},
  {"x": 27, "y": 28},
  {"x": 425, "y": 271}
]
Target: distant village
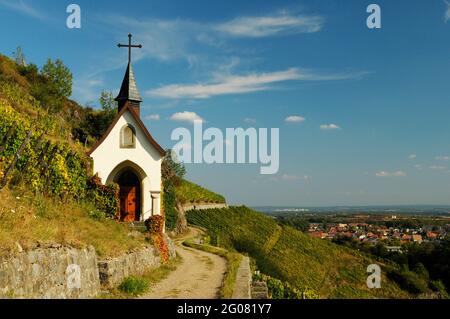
[{"x": 373, "y": 233}]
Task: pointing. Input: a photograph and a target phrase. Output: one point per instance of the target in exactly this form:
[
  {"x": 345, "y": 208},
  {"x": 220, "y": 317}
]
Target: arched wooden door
[{"x": 130, "y": 197}]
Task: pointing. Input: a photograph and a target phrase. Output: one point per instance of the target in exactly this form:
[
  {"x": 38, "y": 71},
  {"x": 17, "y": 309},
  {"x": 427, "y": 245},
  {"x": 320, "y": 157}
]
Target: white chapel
[{"x": 128, "y": 155}]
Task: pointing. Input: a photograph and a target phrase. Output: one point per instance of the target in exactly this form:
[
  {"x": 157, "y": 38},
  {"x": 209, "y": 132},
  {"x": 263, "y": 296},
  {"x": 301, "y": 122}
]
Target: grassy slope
[
  {"x": 189, "y": 192},
  {"x": 287, "y": 254},
  {"x": 27, "y": 219}
]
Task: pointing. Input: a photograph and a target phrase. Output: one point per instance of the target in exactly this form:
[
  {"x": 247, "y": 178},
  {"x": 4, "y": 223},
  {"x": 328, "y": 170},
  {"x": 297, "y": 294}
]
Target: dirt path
[{"x": 199, "y": 276}]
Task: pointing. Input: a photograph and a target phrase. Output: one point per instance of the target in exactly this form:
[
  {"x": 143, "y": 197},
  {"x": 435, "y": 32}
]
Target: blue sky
[{"x": 363, "y": 114}]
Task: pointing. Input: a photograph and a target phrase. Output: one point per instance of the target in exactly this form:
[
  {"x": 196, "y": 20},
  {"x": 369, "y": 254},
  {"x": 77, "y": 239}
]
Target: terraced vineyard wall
[
  {"x": 58, "y": 272},
  {"x": 46, "y": 273},
  {"x": 190, "y": 193}
]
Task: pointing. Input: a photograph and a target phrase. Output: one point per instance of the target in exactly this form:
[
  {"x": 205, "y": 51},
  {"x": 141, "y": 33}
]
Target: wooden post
[
  {"x": 6, "y": 137},
  {"x": 35, "y": 149},
  {"x": 43, "y": 151},
  {"x": 54, "y": 151},
  {"x": 15, "y": 159}
]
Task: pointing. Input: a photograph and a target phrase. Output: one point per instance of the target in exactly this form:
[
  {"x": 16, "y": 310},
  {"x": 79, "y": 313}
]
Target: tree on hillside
[
  {"x": 171, "y": 169},
  {"x": 172, "y": 172},
  {"x": 95, "y": 122},
  {"x": 107, "y": 101},
  {"x": 19, "y": 57},
  {"x": 59, "y": 76},
  {"x": 99, "y": 121},
  {"x": 109, "y": 106}
]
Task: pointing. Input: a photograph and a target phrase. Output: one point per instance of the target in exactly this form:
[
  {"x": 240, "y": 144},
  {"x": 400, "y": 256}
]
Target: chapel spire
[{"x": 129, "y": 93}]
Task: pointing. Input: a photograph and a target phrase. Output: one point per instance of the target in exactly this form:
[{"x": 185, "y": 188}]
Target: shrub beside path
[{"x": 199, "y": 276}]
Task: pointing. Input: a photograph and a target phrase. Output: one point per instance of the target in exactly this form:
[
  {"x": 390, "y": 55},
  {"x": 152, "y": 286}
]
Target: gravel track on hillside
[{"x": 199, "y": 276}]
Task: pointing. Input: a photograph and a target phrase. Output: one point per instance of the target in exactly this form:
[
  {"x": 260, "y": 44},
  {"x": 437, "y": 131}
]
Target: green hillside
[
  {"x": 188, "y": 192},
  {"x": 287, "y": 254},
  {"x": 47, "y": 194}
]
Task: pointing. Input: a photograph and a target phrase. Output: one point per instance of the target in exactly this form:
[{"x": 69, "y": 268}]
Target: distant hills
[{"x": 382, "y": 209}]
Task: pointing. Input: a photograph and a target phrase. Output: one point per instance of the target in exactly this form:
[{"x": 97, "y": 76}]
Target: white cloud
[
  {"x": 447, "y": 11},
  {"x": 239, "y": 84},
  {"x": 412, "y": 156},
  {"x": 271, "y": 25},
  {"x": 329, "y": 127},
  {"x": 163, "y": 40},
  {"x": 249, "y": 120},
  {"x": 186, "y": 117},
  {"x": 390, "y": 174},
  {"x": 94, "y": 82},
  {"x": 169, "y": 39},
  {"x": 206, "y": 49},
  {"x": 437, "y": 167},
  {"x": 290, "y": 178},
  {"x": 23, "y": 7},
  {"x": 226, "y": 85},
  {"x": 442, "y": 158},
  {"x": 153, "y": 117},
  {"x": 294, "y": 119},
  {"x": 419, "y": 167}
]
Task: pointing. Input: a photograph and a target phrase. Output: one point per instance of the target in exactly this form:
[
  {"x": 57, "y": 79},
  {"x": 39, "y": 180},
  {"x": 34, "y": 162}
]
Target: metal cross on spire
[{"x": 129, "y": 46}]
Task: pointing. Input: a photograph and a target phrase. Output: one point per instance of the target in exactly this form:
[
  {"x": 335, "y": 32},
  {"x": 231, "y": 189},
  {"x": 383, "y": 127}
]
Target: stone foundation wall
[
  {"x": 112, "y": 271},
  {"x": 202, "y": 206},
  {"x": 46, "y": 273},
  {"x": 52, "y": 272}
]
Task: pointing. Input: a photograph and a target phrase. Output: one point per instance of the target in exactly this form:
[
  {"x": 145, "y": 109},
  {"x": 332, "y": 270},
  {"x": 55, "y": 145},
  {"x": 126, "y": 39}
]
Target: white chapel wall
[{"x": 109, "y": 155}]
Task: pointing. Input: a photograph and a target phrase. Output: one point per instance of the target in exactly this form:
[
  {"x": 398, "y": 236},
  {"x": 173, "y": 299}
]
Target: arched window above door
[{"x": 128, "y": 137}]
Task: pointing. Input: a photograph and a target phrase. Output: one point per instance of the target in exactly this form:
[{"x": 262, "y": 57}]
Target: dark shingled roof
[{"x": 129, "y": 90}]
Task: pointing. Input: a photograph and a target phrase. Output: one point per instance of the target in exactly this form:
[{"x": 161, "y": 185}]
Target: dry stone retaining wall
[
  {"x": 114, "y": 270},
  {"x": 203, "y": 206},
  {"x": 52, "y": 272},
  {"x": 45, "y": 272}
]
